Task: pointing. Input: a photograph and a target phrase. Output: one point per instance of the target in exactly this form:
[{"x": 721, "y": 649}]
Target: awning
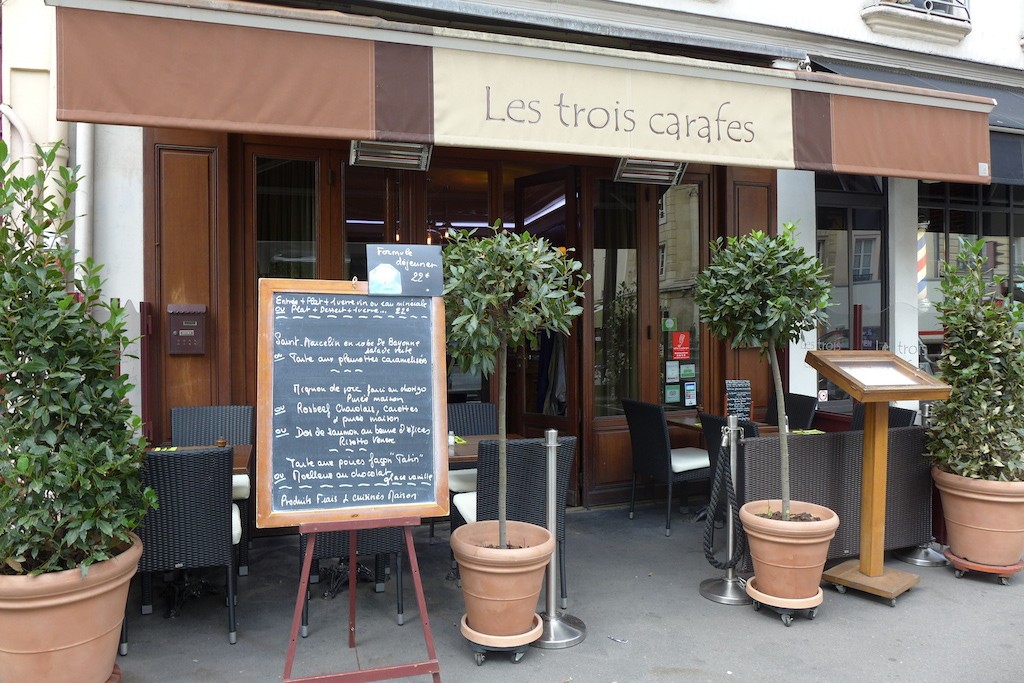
[
  {"x": 251, "y": 68},
  {"x": 1007, "y": 117}
]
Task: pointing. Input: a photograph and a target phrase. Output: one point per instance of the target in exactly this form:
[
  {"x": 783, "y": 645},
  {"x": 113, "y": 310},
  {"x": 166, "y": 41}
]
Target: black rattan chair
[
  {"x": 799, "y": 410},
  {"x": 193, "y": 527},
  {"x": 526, "y": 491},
  {"x": 654, "y": 456},
  {"x": 466, "y": 419},
  {"x": 204, "y": 426},
  {"x": 898, "y": 417},
  {"x": 380, "y": 543}
]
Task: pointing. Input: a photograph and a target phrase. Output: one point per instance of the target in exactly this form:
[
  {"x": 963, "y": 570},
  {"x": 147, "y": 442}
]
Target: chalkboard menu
[
  {"x": 737, "y": 398},
  {"x": 352, "y": 419}
]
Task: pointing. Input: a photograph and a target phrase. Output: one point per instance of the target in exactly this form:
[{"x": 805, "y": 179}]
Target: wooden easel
[
  {"x": 430, "y": 665},
  {"x": 874, "y": 378}
]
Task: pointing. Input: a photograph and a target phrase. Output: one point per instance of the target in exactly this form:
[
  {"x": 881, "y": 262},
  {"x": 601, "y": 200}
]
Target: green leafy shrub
[
  {"x": 500, "y": 292},
  {"x": 764, "y": 291},
  {"x": 978, "y": 431},
  {"x": 70, "y": 454}
]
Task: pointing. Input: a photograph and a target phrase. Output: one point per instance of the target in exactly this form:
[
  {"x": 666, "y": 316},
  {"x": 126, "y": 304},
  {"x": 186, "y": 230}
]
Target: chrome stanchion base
[
  {"x": 728, "y": 591},
  {"x": 921, "y": 555},
  {"x": 560, "y": 631}
]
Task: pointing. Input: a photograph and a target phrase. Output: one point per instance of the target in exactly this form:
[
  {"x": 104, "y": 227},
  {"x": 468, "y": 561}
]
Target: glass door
[{"x": 545, "y": 384}]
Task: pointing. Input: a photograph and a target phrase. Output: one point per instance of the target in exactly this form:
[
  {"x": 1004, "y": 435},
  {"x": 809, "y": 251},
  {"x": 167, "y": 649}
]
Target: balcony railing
[
  {"x": 941, "y": 21},
  {"x": 947, "y": 9}
]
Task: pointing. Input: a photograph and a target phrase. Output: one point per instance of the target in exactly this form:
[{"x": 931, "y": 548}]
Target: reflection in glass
[
  {"x": 678, "y": 265},
  {"x": 286, "y": 217},
  {"x": 615, "y": 297},
  {"x": 545, "y": 214},
  {"x": 366, "y": 213}
]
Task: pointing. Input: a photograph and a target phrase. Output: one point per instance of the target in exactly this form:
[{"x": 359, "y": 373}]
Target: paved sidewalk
[{"x": 637, "y": 593}]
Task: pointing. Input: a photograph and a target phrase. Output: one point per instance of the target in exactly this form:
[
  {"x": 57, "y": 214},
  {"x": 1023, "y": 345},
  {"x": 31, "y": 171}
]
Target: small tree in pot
[
  {"x": 70, "y": 454},
  {"x": 976, "y": 436},
  {"x": 765, "y": 291},
  {"x": 500, "y": 293}
]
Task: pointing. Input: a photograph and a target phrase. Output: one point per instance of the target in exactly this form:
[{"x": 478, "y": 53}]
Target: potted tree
[
  {"x": 70, "y": 455},
  {"x": 500, "y": 293},
  {"x": 765, "y": 291},
  {"x": 976, "y": 436}
]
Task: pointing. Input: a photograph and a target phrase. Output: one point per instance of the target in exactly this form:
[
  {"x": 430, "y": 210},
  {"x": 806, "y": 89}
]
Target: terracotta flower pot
[
  {"x": 789, "y": 557},
  {"x": 984, "y": 519},
  {"x": 61, "y": 627},
  {"x": 501, "y": 585}
]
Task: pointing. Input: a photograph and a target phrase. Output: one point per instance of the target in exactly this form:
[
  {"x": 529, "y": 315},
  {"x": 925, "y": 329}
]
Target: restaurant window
[
  {"x": 286, "y": 216},
  {"x": 949, "y": 213},
  {"x": 850, "y": 245},
  {"x": 616, "y": 374},
  {"x": 679, "y": 263},
  {"x": 458, "y": 197}
]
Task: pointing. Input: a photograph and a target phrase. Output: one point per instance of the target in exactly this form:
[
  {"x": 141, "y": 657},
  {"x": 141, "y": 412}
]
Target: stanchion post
[
  {"x": 728, "y": 590},
  {"x": 560, "y": 630}
]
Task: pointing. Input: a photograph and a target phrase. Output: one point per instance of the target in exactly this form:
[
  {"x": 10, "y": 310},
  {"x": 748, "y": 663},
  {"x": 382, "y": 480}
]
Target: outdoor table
[
  {"x": 464, "y": 454},
  {"x": 692, "y": 423},
  {"x": 242, "y": 454}
]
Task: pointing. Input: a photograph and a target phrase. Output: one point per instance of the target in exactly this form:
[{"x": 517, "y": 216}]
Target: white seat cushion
[
  {"x": 236, "y": 524},
  {"x": 689, "y": 458},
  {"x": 462, "y": 481},
  {"x": 240, "y": 487},
  {"x": 465, "y": 503}
]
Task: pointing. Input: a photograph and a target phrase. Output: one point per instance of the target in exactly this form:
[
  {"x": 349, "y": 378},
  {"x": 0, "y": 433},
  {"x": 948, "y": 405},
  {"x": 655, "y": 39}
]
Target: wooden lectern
[{"x": 874, "y": 378}]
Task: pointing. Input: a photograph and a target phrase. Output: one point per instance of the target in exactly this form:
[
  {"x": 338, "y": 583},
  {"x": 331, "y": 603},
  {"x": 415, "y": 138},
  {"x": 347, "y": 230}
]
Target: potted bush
[
  {"x": 765, "y": 291},
  {"x": 976, "y": 436},
  {"x": 70, "y": 455},
  {"x": 500, "y": 293}
]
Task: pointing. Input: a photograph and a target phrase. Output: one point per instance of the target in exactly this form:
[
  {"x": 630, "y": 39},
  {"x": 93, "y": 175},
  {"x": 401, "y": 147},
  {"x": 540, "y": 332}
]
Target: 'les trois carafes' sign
[{"x": 501, "y": 101}]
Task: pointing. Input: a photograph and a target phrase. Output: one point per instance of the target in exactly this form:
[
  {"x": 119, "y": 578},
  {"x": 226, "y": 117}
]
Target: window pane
[
  {"x": 678, "y": 265},
  {"x": 286, "y": 217},
  {"x": 615, "y": 297},
  {"x": 365, "y": 216}
]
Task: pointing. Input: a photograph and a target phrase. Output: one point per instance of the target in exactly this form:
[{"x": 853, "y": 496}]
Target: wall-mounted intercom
[{"x": 186, "y": 329}]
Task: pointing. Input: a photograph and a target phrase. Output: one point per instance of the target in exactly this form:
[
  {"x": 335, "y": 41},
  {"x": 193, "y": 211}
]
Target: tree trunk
[
  {"x": 780, "y": 402},
  {"x": 502, "y": 369}
]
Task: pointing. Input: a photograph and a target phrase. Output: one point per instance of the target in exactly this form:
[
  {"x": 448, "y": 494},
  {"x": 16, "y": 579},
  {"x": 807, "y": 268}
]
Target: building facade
[{"x": 228, "y": 141}]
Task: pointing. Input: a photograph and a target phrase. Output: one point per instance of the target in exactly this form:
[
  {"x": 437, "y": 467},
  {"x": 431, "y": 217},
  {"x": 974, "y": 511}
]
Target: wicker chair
[
  {"x": 466, "y": 419},
  {"x": 799, "y": 411},
  {"x": 827, "y": 469},
  {"x": 204, "y": 426},
  {"x": 196, "y": 525},
  {"x": 526, "y": 491},
  {"x": 898, "y": 417},
  {"x": 380, "y": 543},
  {"x": 654, "y": 456}
]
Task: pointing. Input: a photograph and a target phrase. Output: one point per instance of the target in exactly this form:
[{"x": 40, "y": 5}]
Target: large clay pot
[
  {"x": 501, "y": 585},
  {"x": 789, "y": 557},
  {"x": 984, "y": 519},
  {"x": 62, "y": 627}
]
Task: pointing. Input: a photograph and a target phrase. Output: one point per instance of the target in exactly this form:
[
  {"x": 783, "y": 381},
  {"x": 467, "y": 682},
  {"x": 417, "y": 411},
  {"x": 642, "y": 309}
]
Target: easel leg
[
  {"x": 421, "y": 602},
  {"x": 352, "y": 572},
  {"x": 300, "y": 602}
]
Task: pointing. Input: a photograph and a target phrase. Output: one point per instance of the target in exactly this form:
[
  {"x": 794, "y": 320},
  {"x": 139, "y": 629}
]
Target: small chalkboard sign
[
  {"x": 352, "y": 416},
  {"x": 404, "y": 269},
  {"x": 737, "y": 398}
]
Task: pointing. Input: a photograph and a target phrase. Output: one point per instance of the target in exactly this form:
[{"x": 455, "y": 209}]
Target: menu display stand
[
  {"x": 352, "y": 421},
  {"x": 874, "y": 378},
  {"x": 428, "y": 666}
]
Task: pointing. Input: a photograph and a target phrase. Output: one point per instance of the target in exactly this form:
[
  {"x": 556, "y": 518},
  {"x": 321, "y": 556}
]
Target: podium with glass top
[{"x": 874, "y": 378}]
